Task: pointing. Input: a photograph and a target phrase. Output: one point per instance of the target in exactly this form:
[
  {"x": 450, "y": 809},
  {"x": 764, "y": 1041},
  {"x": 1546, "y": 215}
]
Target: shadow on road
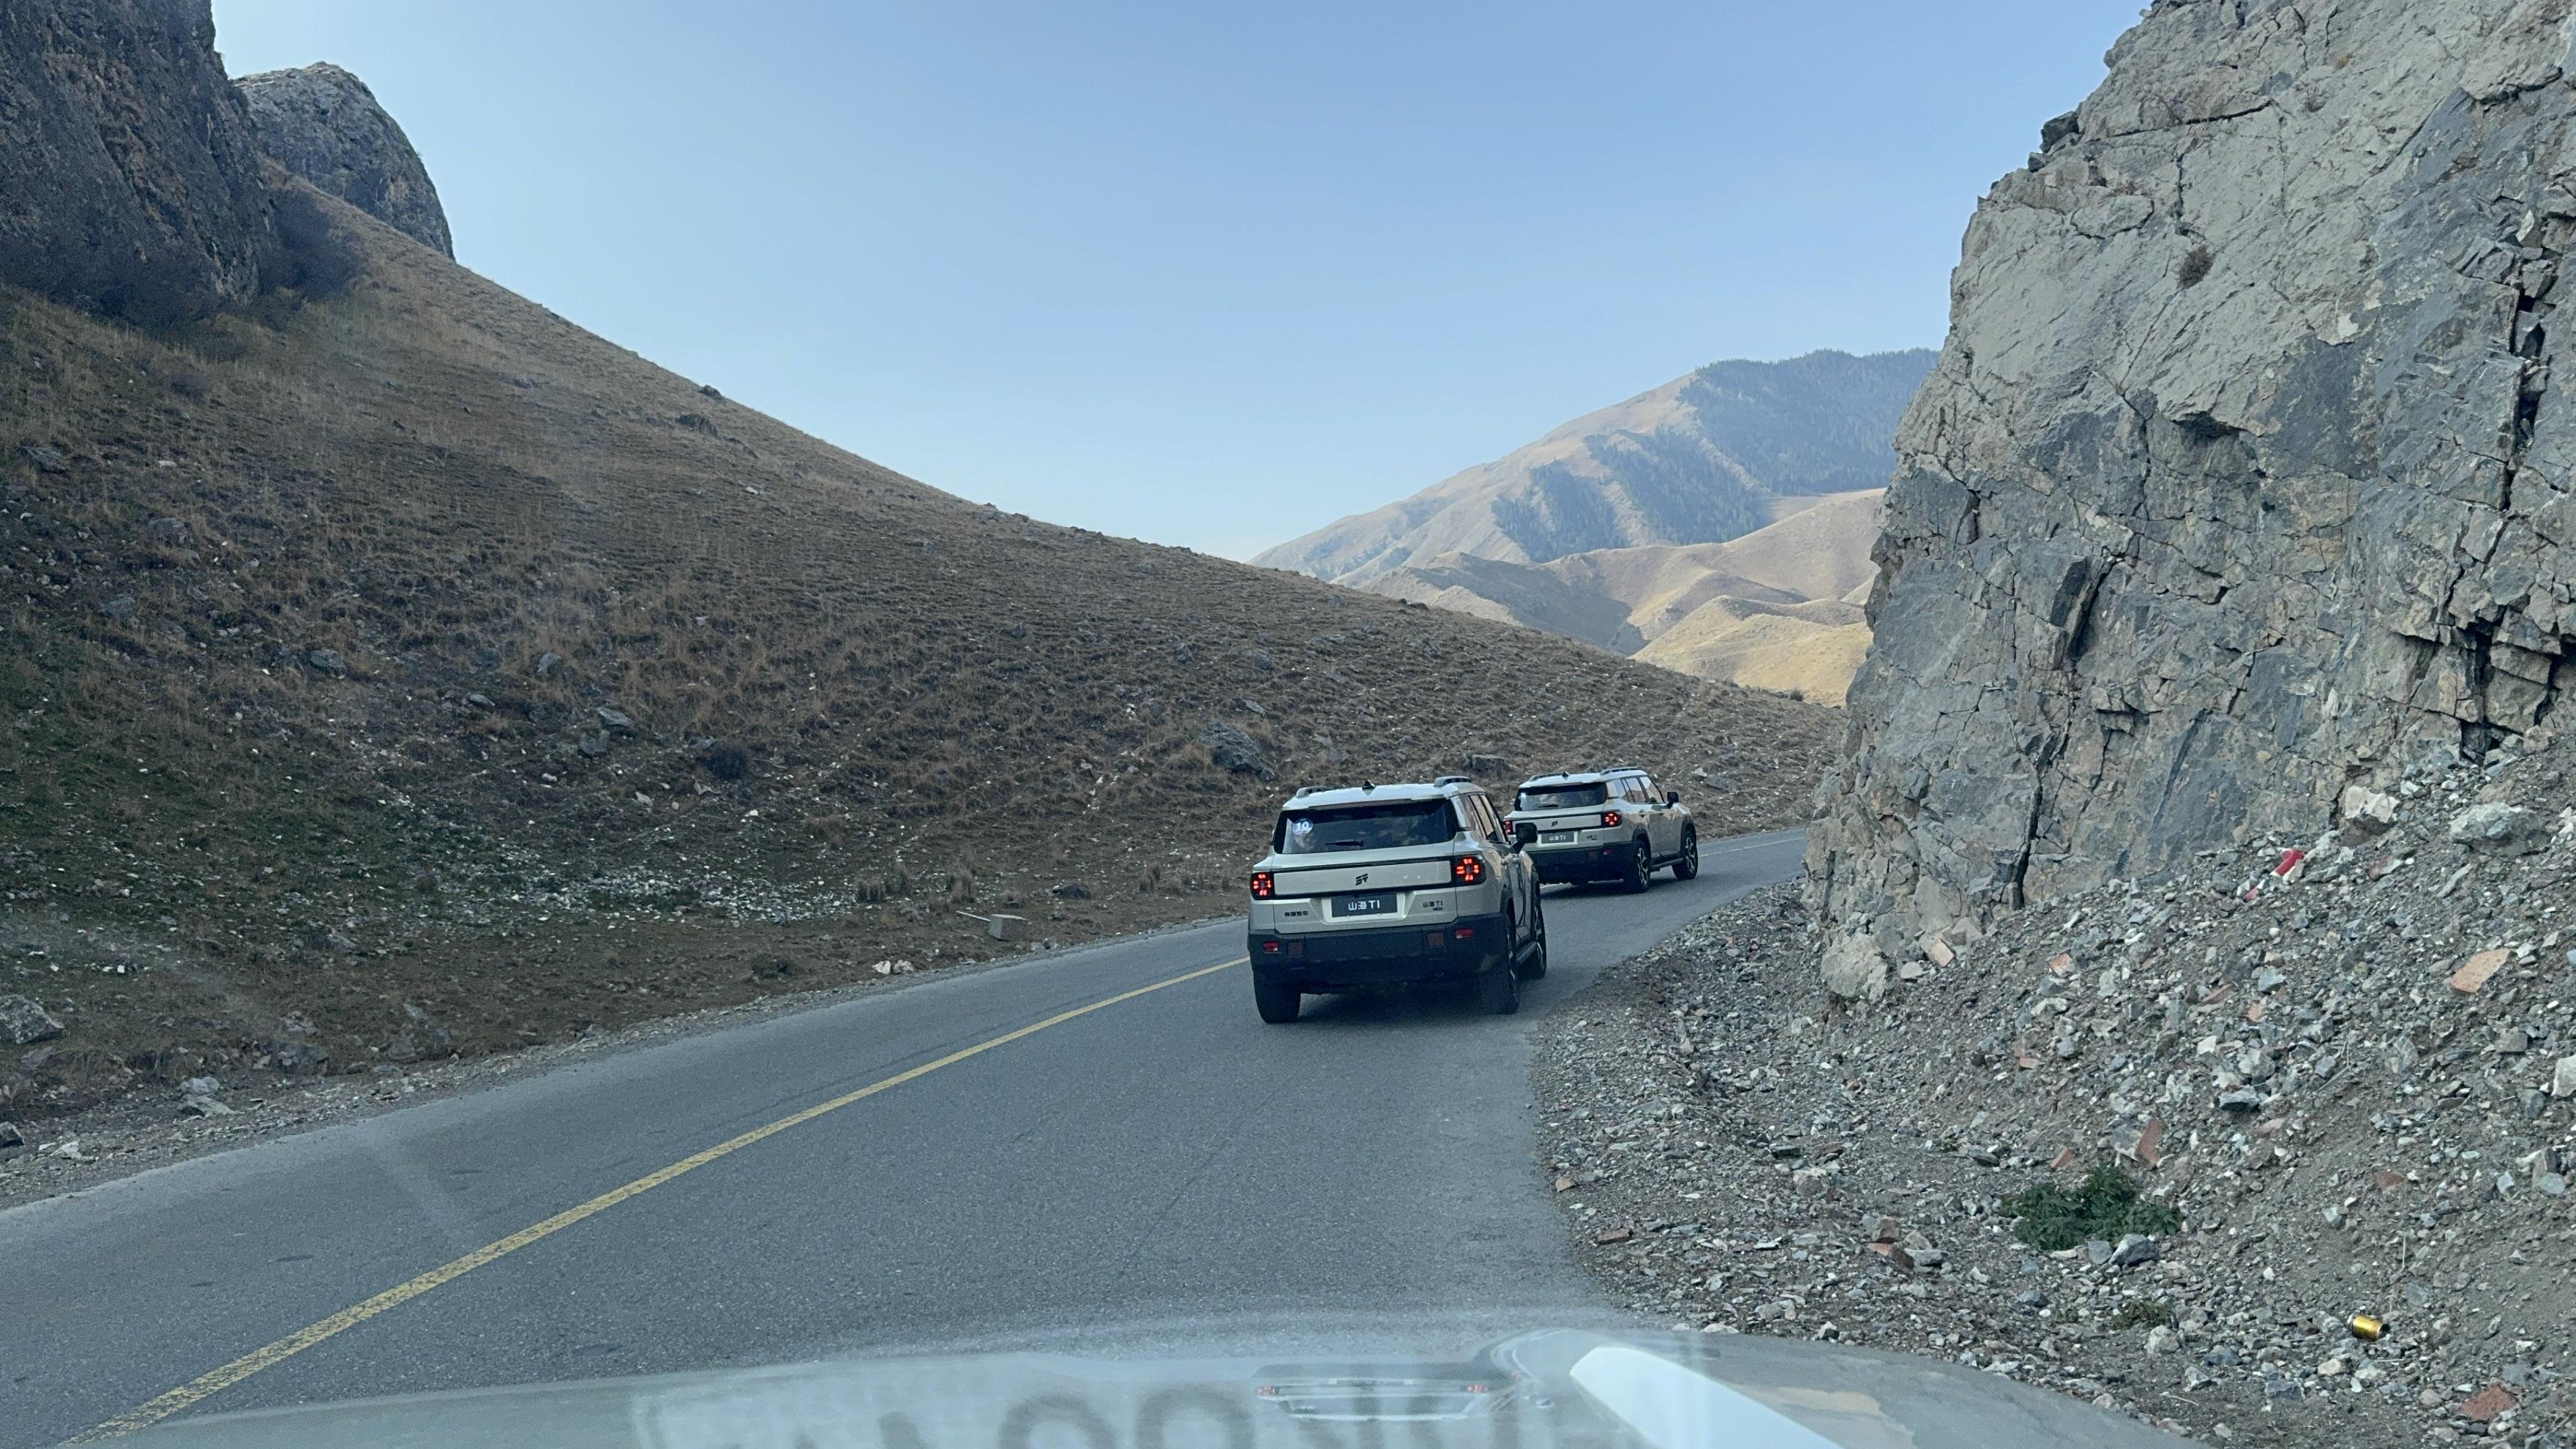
[{"x": 1447, "y": 1004}]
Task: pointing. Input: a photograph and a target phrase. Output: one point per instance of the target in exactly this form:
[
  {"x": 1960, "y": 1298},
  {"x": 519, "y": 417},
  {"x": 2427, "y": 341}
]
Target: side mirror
[
  {"x": 1672, "y": 797},
  {"x": 1523, "y": 833}
]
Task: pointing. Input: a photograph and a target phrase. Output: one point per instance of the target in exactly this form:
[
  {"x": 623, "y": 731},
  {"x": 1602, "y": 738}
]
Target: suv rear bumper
[
  {"x": 1565, "y": 863},
  {"x": 1454, "y": 950}
]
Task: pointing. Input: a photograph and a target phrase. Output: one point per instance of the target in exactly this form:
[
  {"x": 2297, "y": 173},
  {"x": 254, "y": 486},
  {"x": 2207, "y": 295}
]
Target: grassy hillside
[{"x": 399, "y": 670}]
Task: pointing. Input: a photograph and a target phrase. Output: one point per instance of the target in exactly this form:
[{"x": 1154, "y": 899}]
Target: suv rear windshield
[
  {"x": 1365, "y": 827},
  {"x": 1564, "y": 797}
]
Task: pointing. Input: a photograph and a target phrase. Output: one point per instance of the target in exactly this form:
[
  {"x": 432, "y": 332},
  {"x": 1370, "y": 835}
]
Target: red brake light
[
  {"x": 1609, "y": 818},
  {"x": 1263, "y": 887},
  {"x": 1467, "y": 869}
]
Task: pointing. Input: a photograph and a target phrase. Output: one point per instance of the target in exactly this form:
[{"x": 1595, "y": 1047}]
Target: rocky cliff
[
  {"x": 2243, "y": 487},
  {"x": 323, "y": 124},
  {"x": 130, "y": 181}
]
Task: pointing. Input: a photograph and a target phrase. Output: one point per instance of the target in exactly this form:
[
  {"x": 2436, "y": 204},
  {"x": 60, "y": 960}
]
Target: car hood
[{"x": 1550, "y": 1387}]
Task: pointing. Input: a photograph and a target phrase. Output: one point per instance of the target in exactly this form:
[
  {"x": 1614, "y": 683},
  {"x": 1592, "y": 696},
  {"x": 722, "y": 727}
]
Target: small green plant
[
  {"x": 2106, "y": 1205},
  {"x": 2142, "y": 1313}
]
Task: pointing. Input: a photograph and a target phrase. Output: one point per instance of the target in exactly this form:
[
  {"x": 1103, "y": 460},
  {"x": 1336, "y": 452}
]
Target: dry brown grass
[
  {"x": 1761, "y": 648},
  {"x": 856, "y": 704}
]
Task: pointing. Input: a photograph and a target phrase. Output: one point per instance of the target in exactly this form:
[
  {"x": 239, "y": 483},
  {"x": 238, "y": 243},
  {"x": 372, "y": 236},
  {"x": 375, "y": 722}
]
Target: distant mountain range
[
  {"x": 1702, "y": 459},
  {"x": 1719, "y": 525},
  {"x": 1779, "y": 608}
]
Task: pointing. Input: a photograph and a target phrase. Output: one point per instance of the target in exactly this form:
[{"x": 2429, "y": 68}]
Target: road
[{"x": 1162, "y": 1164}]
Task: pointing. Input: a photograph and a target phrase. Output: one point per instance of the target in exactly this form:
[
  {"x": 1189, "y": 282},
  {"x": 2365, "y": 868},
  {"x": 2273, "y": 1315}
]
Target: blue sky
[{"x": 1208, "y": 274}]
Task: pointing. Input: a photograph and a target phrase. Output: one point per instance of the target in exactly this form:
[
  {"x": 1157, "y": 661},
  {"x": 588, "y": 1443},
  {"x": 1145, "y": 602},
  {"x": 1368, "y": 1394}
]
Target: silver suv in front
[
  {"x": 1381, "y": 885},
  {"x": 1612, "y": 825}
]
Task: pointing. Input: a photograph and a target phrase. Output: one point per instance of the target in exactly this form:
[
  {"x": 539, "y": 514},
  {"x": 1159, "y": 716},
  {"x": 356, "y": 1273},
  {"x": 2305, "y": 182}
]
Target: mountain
[
  {"x": 1778, "y": 608},
  {"x": 1720, "y": 525},
  {"x": 1702, "y": 459},
  {"x": 2242, "y": 506},
  {"x": 323, "y": 124},
  {"x": 394, "y": 669}
]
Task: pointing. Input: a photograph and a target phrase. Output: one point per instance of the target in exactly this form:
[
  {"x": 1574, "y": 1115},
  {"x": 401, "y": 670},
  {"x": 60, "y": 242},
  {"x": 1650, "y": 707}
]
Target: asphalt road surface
[{"x": 1038, "y": 1175}]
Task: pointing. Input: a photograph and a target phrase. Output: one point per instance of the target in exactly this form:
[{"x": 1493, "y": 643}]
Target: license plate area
[
  {"x": 1364, "y": 903},
  {"x": 1556, "y": 837}
]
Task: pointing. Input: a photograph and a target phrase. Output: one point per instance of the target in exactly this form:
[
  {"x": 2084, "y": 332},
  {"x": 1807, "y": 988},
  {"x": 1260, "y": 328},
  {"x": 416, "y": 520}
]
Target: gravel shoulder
[{"x": 2333, "y": 1063}]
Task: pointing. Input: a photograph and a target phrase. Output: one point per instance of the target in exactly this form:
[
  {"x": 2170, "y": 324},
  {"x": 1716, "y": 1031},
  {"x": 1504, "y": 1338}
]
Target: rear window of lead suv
[
  {"x": 1564, "y": 797},
  {"x": 1365, "y": 827}
]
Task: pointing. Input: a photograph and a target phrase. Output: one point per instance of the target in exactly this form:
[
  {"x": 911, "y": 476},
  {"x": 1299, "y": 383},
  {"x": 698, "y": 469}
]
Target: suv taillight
[
  {"x": 1263, "y": 887},
  {"x": 1609, "y": 818},
  {"x": 1468, "y": 870}
]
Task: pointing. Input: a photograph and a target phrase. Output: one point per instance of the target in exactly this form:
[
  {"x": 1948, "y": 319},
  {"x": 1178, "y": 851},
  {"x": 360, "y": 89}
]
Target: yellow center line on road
[{"x": 208, "y": 1384}]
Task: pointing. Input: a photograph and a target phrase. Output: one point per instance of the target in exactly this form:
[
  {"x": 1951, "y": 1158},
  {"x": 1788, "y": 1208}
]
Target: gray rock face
[
  {"x": 131, "y": 182},
  {"x": 2244, "y": 476},
  {"x": 323, "y": 124}
]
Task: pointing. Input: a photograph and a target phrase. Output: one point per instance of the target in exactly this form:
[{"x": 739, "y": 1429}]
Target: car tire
[
  {"x": 1498, "y": 992},
  {"x": 1641, "y": 869},
  {"x": 1536, "y": 966},
  {"x": 1277, "y": 1001},
  {"x": 1686, "y": 864}
]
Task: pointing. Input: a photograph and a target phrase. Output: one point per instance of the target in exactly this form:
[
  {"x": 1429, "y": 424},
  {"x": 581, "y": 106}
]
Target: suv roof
[
  {"x": 1443, "y": 788},
  {"x": 1580, "y": 777}
]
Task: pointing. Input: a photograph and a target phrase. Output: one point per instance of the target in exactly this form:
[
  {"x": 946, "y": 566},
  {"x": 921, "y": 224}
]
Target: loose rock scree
[{"x": 2273, "y": 1146}]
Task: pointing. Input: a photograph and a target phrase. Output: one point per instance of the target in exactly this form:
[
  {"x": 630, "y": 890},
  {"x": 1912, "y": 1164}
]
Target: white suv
[
  {"x": 1386, "y": 884},
  {"x": 1605, "y": 825}
]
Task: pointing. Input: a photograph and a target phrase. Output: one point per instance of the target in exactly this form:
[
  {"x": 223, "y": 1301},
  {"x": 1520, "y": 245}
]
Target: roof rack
[
  {"x": 1302, "y": 792},
  {"x": 1454, "y": 780}
]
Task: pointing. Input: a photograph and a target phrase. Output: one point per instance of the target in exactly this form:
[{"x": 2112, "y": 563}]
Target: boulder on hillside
[
  {"x": 22, "y": 1021},
  {"x": 1234, "y": 750},
  {"x": 2501, "y": 830},
  {"x": 131, "y": 181},
  {"x": 323, "y": 124}
]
